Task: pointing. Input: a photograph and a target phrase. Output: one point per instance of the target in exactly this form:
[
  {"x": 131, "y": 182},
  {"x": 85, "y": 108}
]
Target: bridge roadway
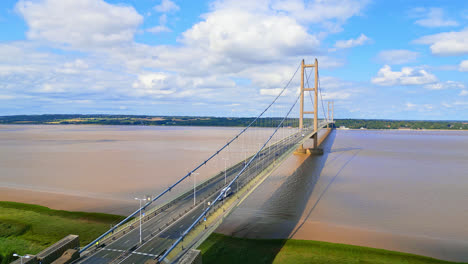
[{"x": 160, "y": 231}]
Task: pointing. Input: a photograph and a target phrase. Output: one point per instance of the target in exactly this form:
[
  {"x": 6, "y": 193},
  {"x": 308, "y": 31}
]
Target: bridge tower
[{"x": 315, "y": 149}]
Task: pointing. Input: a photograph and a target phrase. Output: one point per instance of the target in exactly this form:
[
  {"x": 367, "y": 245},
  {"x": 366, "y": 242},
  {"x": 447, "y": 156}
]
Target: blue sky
[{"x": 377, "y": 59}]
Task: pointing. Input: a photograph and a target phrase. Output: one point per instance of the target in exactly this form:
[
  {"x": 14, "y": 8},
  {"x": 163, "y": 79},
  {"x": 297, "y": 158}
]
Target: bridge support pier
[
  {"x": 300, "y": 150},
  {"x": 308, "y": 151}
]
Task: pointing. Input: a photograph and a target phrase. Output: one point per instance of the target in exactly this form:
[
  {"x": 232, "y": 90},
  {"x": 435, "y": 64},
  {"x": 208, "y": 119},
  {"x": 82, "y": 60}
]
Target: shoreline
[
  {"x": 403, "y": 130},
  {"x": 195, "y": 126},
  {"x": 68, "y": 202}
]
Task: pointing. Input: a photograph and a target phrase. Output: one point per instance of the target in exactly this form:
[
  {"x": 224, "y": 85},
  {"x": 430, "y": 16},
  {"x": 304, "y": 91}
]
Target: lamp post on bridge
[
  {"x": 21, "y": 257},
  {"x": 142, "y": 199},
  {"x": 194, "y": 190},
  {"x": 225, "y": 160}
]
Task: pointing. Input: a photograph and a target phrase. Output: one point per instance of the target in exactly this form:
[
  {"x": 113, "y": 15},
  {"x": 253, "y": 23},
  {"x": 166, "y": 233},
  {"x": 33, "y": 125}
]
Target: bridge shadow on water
[{"x": 279, "y": 215}]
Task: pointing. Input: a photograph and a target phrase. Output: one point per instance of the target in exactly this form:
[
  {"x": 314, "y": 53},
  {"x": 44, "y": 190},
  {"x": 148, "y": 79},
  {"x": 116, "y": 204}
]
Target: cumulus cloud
[
  {"x": 407, "y": 76},
  {"x": 260, "y": 41},
  {"x": 345, "y": 44},
  {"x": 434, "y": 17},
  {"x": 63, "y": 22},
  {"x": 248, "y": 36},
  {"x": 463, "y": 93},
  {"x": 447, "y": 43},
  {"x": 166, "y": 6},
  {"x": 398, "y": 56},
  {"x": 464, "y": 66}
]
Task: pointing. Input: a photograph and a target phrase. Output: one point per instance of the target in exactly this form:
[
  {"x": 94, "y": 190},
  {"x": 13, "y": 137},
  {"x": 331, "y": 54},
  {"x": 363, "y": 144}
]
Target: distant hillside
[{"x": 217, "y": 121}]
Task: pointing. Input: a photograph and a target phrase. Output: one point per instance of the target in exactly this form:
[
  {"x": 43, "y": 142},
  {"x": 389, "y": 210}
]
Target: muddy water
[
  {"x": 398, "y": 190},
  {"x": 102, "y": 168}
]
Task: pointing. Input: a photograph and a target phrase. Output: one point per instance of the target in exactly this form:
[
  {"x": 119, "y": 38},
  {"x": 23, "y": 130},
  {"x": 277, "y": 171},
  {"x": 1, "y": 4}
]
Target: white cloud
[
  {"x": 331, "y": 13},
  {"x": 259, "y": 41},
  {"x": 336, "y": 95},
  {"x": 410, "y": 106},
  {"x": 463, "y": 93},
  {"x": 248, "y": 36},
  {"x": 79, "y": 24},
  {"x": 398, "y": 56},
  {"x": 445, "y": 85},
  {"x": 153, "y": 84},
  {"x": 162, "y": 25},
  {"x": 434, "y": 17},
  {"x": 419, "y": 107},
  {"x": 407, "y": 76},
  {"x": 6, "y": 97},
  {"x": 51, "y": 88},
  {"x": 447, "y": 43},
  {"x": 345, "y": 44},
  {"x": 271, "y": 92},
  {"x": 166, "y": 6},
  {"x": 158, "y": 29},
  {"x": 464, "y": 66},
  {"x": 73, "y": 67}
]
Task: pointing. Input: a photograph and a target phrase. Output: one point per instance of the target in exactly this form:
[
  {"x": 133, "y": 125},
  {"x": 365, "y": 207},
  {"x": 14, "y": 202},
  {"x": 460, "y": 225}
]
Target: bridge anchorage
[{"x": 316, "y": 150}]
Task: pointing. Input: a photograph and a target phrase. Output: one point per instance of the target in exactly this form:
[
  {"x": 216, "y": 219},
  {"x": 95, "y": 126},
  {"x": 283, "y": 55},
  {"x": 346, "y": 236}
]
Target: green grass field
[
  {"x": 225, "y": 249},
  {"x": 27, "y": 229}
]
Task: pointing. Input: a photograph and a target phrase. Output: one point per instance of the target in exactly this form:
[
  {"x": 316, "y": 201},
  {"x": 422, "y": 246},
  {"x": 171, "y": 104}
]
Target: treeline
[
  {"x": 221, "y": 121},
  {"x": 400, "y": 124}
]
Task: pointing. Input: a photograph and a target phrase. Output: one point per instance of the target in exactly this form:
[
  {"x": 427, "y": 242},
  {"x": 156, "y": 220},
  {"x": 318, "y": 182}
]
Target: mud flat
[{"x": 397, "y": 190}]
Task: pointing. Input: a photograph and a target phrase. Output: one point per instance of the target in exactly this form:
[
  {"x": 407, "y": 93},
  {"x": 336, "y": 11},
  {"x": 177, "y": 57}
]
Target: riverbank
[
  {"x": 225, "y": 249},
  {"x": 28, "y": 228}
]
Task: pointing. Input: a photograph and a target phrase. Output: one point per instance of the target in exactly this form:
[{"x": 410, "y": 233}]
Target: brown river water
[{"x": 398, "y": 190}]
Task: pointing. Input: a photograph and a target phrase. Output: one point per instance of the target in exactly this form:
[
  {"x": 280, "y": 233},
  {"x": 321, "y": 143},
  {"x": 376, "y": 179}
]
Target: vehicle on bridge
[{"x": 226, "y": 191}]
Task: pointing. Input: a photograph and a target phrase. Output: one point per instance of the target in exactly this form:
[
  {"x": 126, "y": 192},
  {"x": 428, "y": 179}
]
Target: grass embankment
[
  {"x": 225, "y": 249},
  {"x": 28, "y": 229}
]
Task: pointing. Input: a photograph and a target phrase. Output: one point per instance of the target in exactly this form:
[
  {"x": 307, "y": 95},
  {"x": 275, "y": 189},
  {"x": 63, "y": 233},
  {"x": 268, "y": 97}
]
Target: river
[{"x": 398, "y": 190}]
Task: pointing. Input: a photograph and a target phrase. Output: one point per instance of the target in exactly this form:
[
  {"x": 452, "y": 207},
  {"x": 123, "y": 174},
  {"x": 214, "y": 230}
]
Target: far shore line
[{"x": 124, "y": 125}]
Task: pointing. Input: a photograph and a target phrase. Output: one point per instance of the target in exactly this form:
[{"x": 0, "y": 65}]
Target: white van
[{"x": 227, "y": 191}]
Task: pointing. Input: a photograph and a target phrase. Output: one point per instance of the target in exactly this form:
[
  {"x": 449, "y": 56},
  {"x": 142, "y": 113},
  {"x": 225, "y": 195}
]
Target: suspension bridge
[{"x": 179, "y": 218}]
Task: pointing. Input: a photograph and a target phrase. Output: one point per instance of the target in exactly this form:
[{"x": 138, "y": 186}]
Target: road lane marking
[
  {"x": 144, "y": 254},
  {"x": 115, "y": 250}
]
